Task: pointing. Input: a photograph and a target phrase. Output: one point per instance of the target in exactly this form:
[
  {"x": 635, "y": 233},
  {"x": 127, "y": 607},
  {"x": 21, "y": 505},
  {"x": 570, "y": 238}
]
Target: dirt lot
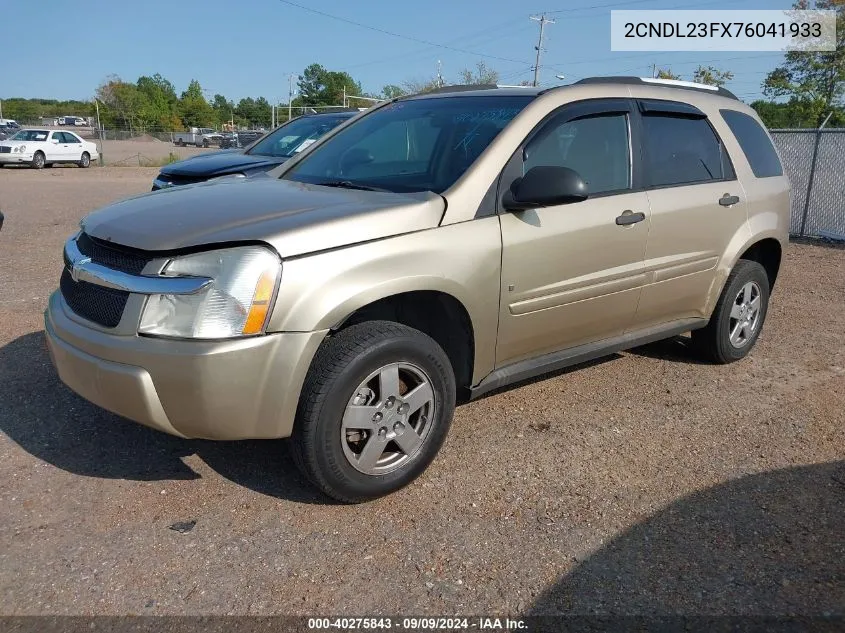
[
  {"x": 135, "y": 153},
  {"x": 130, "y": 152},
  {"x": 646, "y": 483}
]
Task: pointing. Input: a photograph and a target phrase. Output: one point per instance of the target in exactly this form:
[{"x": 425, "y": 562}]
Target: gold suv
[{"x": 427, "y": 251}]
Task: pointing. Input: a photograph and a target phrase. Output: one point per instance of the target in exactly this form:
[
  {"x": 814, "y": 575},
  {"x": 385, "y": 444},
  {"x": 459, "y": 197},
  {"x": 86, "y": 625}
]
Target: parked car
[
  {"x": 258, "y": 158},
  {"x": 39, "y": 148},
  {"x": 436, "y": 248},
  {"x": 199, "y": 136},
  {"x": 76, "y": 121},
  {"x": 8, "y": 128}
]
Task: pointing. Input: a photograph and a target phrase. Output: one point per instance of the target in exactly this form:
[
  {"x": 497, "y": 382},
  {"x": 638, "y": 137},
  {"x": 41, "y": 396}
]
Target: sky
[{"x": 250, "y": 48}]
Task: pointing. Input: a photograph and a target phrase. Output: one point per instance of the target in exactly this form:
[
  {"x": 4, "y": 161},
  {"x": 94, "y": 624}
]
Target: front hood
[
  {"x": 11, "y": 143},
  {"x": 295, "y": 218},
  {"x": 219, "y": 162}
]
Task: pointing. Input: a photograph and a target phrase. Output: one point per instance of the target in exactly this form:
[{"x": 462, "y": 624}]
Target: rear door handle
[
  {"x": 629, "y": 217},
  {"x": 728, "y": 201}
]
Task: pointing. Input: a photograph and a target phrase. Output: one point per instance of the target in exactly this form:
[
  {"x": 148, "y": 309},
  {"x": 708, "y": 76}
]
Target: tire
[
  {"x": 205, "y": 142},
  {"x": 85, "y": 160},
  {"x": 725, "y": 339},
  {"x": 404, "y": 442},
  {"x": 38, "y": 160}
]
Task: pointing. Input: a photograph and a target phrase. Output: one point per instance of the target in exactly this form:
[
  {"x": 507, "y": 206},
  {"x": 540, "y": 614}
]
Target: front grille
[
  {"x": 5, "y": 149},
  {"x": 116, "y": 257},
  {"x": 95, "y": 303}
]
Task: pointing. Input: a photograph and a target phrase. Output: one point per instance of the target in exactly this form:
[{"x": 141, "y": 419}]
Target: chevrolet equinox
[{"x": 425, "y": 252}]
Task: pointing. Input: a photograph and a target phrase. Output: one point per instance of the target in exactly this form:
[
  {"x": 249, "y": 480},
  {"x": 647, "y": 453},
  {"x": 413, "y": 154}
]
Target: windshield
[
  {"x": 30, "y": 135},
  {"x": 295, "y": 136},
  {"x": 414, "y": 145}
]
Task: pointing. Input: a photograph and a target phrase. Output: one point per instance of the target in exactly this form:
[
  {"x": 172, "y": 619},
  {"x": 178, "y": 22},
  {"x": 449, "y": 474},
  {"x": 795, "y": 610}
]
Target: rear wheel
[
  {"x": 739, "y": 315},
  {"x": 85, "y": 160},
  {"x": 375, "y": 409},
  {"x": 38, "y": 160}
]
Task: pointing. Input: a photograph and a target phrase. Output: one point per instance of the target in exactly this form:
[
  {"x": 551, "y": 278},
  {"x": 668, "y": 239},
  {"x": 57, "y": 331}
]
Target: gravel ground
[{"x": 644, "y": 483}]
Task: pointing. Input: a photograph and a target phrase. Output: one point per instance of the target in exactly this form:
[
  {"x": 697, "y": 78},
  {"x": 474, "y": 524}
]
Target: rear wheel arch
[{"x": 767, "y": 252}]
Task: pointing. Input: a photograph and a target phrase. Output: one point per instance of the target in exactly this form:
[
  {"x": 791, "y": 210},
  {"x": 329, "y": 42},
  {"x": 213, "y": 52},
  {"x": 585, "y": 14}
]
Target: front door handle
[
  {"x": 728, "y": 201},
  {"x": 629, "y": 217}
]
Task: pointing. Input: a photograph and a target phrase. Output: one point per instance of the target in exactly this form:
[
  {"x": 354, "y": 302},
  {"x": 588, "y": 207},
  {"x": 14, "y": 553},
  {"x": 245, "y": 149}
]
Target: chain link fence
[{"x": 814, "y": 160}]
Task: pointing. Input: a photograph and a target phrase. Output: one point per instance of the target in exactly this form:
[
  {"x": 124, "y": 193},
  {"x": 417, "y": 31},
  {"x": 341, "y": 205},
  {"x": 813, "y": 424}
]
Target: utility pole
[
  {"x": 654, "y": 71},
  {"x": 290, "y": 97},
  {"x": 543, "y": 20},
  {"x": 99, "y": 133},
  {"x": 439, "y": 74}
]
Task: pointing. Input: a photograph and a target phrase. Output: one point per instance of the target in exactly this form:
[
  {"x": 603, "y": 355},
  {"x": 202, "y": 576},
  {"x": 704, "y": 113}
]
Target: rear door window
[
  {"x": 755, "y": 144},
  {"x": 682, "y": 150}
]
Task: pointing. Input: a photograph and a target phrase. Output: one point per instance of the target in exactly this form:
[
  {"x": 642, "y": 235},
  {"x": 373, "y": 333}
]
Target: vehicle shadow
[
  {"x": 49, "y": 421},
  {"x": 550, "y": 374},
  {"x": 771, "y": 544},
  {"x": 676, "y": 349}
]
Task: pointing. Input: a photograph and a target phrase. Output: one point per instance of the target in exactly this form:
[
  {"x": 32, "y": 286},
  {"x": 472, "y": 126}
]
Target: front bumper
[
  {"x": 15, "y": 159},
  {"x": 221, "y": 390}
]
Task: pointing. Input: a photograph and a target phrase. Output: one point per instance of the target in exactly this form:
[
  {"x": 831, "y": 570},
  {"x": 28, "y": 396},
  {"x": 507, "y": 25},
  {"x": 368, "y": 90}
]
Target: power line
[
  {"x": 399, "y": 35},
  {"x": 622, "y": 4},
  {"x": 420, "y": 53}
]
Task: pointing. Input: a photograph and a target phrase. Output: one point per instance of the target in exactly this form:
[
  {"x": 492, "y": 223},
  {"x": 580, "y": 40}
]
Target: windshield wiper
[{"x": 348, "y": 184}]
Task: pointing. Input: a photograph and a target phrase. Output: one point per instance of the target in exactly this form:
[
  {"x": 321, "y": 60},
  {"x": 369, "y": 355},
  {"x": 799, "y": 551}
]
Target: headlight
[
  {"x": 237, "y": 303},
  {"x": 21, "y": 148}
]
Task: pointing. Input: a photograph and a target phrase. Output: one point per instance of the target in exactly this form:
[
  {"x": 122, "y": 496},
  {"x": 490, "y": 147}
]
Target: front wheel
[
  {"x": 85, "y": 160},
  {"x": 739, "y": 315},
  {"x": 374, "y": 410},
  {"x": 38, "y": 160}
]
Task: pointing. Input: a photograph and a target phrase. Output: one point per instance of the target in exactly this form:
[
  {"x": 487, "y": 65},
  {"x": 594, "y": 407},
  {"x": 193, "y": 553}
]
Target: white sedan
[{"x": 45, "y": 147}]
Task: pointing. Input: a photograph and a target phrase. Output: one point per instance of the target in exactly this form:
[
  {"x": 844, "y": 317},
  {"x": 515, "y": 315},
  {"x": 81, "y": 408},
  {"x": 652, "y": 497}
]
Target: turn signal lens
[{"x": 261, "y": 303}]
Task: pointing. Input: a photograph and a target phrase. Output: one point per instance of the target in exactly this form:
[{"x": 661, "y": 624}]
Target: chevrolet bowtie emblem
[{"x": 76, "y": 266}]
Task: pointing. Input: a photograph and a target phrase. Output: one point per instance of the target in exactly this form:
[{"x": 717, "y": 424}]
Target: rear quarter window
[{"x": 755, "y": 144}]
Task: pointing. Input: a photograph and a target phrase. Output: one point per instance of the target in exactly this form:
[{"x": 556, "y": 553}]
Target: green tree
[
  {"x": 712, "y": 76},
  {"x": 159, "y": 104},
  {"x": 794, "y": 114},
  {"x": 194, "y": 110},
  {"x": 318, "y": 86},
  {"x": 245, "y": 111},
  {"x": 813, "y": 81},
  {"x": 666, "y": 73},
  {"x": 481, "y": 75},
  {"x": 22, "y": 110},
  {"x": 263, "y": 112},
  {"x": 123, "y": 103},
  {"x": 419, "y": 86},
  {"x": 224, "y": 110},
  {"x": 391, "y": 91}
]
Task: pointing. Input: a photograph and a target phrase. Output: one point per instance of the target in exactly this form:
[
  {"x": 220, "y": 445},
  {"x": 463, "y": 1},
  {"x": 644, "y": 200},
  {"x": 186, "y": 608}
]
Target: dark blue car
[{"x": 260, "y": 157}]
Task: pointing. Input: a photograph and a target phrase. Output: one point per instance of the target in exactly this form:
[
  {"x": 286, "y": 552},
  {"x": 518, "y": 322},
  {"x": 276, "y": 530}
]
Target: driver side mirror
[{"x": 545, "y": 186}]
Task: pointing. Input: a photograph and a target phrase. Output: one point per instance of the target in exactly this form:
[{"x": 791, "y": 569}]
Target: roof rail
[
  {"x": 462, "y": 88},
  {"x": 669, "y": 83}
]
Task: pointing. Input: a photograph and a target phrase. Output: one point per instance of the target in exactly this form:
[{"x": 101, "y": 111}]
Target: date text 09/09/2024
[{"x": 418, "y": 624}]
